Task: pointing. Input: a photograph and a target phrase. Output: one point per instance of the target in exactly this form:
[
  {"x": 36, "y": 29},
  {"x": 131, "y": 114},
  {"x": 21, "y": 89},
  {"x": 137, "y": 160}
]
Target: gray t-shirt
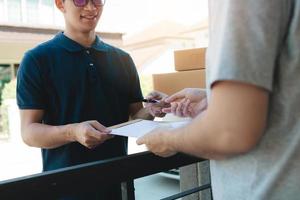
[{"x": 258, "y": 42}]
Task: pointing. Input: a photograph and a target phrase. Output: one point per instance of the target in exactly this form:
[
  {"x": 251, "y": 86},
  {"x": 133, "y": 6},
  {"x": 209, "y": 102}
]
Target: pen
[{"x": 150, "y": 101}]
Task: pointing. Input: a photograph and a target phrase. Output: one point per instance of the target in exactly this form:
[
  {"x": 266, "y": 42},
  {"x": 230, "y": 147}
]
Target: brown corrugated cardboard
[
  {"x": 189, "y": 59},
  {"x": 173, "y": 82}
]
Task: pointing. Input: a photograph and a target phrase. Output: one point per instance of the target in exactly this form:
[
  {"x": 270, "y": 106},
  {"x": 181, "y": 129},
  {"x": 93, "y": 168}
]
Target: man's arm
[
  {"x": 233, "y": 124},
  {"x": 34, "y": 133}
]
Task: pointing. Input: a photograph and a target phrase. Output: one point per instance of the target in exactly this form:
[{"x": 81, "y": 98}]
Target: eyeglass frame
[{"x": 87, "y": 1}]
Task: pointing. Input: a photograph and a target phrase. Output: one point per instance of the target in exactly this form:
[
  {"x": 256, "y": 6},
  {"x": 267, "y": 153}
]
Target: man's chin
[{"x": 88, "y": 29}]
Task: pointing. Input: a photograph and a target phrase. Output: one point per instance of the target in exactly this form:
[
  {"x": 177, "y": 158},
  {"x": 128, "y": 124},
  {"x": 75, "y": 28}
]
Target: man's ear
[{"x": 60, "y": 5}]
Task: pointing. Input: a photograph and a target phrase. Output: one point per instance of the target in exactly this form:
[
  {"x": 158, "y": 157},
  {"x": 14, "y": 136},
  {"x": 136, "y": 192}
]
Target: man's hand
[
  {"x": 189, "y": 102},
  {"x": 90, "y": 133},
  {"x": 156, "y": 142},
  {"x": 155, "y": 109}
]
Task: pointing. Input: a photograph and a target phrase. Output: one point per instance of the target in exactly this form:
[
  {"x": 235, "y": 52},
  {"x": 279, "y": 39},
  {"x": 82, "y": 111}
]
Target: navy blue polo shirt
[{"x": 73, "y": 84}]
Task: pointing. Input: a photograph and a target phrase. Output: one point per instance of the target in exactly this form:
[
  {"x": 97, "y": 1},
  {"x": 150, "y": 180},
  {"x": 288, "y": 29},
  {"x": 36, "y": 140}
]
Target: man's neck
[{"x": 85, "y": 39}]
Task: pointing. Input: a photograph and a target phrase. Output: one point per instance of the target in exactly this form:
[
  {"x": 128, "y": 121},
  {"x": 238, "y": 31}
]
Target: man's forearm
[
  {"x": 195, "y": 140},
  {"x": 207, "y": 140},
  {"x": 46, "y": 136}
]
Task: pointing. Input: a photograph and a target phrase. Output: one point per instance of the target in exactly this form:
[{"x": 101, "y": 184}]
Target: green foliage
[
  {"x": 2, "y": 85},
  {"x": 3, "y": 122},
  {"x": 8, "y": 92}
]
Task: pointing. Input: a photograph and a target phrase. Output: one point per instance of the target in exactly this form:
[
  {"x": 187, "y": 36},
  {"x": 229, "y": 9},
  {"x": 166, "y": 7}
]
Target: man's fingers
[
  {"x": 99, "y": 140},
  {"x": 179, "y": 109},
  {"x": 166, "y": 110},
  {"x": 173, "y": 107},
  {"x": 100, "y": 127},
  {"x": 185, "y": 107},
  {"x": 175, "y": 97},
  {"x": 98, "y": 135},
  {"x": 140, "y": 141}
]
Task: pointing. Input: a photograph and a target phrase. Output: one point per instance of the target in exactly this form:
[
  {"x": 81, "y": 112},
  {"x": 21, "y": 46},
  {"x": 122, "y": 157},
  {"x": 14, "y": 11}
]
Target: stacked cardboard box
[{"x": 190, "y": 67}]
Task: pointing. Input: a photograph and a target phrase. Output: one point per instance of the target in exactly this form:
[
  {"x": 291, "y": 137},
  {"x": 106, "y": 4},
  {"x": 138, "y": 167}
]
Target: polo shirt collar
[{"x": 73, "y": 46}]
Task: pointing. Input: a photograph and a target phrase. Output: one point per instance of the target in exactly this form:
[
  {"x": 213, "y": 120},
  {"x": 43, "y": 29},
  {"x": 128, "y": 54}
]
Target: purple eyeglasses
[{"x": 82, "y": 3}]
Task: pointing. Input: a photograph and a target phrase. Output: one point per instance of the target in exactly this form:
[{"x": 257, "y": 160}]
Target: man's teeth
[{"x": 90, "y": 17}]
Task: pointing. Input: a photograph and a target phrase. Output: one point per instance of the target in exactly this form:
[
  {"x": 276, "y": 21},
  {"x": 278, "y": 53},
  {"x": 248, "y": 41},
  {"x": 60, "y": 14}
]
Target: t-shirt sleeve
[
  {"x": 30, "y": 94},
  {"x": 245, "y": 40},
  {"x": 135, "y": 87}
]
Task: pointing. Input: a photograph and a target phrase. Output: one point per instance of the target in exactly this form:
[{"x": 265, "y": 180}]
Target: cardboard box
[
  {"x": 189, "y": 59},
  {"x": 173, "y": 82}
]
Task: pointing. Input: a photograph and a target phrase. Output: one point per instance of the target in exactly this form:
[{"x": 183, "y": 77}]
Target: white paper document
[{"x": 141, "y": 127}]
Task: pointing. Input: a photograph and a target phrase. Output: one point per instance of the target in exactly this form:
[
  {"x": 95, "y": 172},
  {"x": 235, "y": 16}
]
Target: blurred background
[{"x": 150, "y": 30}]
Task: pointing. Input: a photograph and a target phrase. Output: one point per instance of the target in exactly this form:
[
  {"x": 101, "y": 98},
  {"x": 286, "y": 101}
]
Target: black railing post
[{"x": 128, "y": 190}]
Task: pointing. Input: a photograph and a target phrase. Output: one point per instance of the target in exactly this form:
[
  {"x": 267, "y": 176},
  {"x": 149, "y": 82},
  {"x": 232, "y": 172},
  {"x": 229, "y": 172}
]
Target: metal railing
[{"x": 90, "y": 176}]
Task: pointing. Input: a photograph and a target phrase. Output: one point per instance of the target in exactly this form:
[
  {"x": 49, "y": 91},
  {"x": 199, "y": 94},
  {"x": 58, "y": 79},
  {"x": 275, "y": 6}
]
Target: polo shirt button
[
  {"x": 87, "y": 51},
  {"x": 91, "y": 64}
]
